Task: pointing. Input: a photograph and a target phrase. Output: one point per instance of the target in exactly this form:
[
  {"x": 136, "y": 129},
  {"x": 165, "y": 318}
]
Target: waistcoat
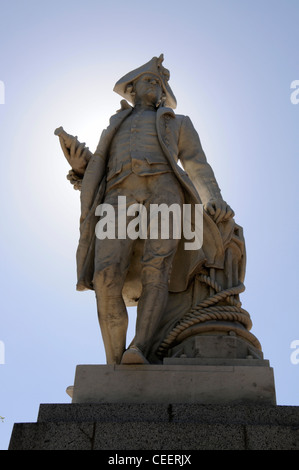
[{"x": 136, "y": 149}]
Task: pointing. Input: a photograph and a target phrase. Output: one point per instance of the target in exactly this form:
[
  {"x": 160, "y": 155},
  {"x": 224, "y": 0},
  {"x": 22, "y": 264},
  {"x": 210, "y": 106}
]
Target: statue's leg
[
  {"x": 112, "y": 259},
  {"x": 158, "y": 255},
  {"x": 156, "y": 266}
]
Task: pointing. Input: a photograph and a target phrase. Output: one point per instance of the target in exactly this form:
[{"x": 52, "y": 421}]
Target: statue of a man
[{"x": 137, "y": 158}]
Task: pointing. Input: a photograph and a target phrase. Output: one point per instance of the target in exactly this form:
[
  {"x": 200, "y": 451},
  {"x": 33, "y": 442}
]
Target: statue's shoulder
[
  {"x": 124, "y": 105},
  {"x": 175, "y": 120},
  {"x": 169, "y": 112},
  {"x": 121, "y": 113},
  {"x": 180, "y": 118},
  {"x": 185, "y": 122}
]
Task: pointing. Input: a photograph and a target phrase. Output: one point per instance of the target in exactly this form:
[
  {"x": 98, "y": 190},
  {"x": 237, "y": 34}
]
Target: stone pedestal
[
  {"x": 203, "y": 369},
  {"x": 159, "y": 428},
  {"x": 213, "y": 392},
  {"x": 177, "y": 381}
]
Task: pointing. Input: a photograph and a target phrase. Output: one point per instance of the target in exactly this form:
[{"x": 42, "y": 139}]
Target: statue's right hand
[
  {"x": 78, "y": 156},
  {"x": 75, "y": 152}
]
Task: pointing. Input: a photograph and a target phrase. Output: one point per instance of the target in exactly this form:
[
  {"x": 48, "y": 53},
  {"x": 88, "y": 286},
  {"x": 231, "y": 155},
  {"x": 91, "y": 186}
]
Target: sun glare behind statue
[{"x": 45, "y": 202}]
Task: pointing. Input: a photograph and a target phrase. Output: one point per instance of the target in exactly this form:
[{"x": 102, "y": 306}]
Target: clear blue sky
[{"x": 231, "y": 63}]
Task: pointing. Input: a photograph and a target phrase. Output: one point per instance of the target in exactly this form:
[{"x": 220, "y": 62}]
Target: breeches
[{"x": 113, "y": 256}]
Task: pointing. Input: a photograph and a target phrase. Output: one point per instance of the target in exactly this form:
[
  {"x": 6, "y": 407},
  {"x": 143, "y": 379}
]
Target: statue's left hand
[{"x": 219, "y": 210}]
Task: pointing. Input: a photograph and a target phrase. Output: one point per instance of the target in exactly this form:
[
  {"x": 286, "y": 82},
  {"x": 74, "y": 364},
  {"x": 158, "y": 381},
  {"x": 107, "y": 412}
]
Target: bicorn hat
[{"x": 155, "y": 67}]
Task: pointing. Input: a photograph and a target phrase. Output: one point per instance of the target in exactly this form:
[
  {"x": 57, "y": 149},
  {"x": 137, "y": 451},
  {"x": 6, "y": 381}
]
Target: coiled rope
[{"x": 207, "y": 310}]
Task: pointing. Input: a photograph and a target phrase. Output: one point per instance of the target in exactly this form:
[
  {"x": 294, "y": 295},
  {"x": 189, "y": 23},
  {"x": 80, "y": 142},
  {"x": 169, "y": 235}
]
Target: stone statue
[{"x": 146, "y": 157}]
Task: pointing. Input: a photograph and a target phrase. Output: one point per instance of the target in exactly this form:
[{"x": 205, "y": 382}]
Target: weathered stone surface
[
  {"x": 52, "y": 436},
  {"x": 246, "y": 414},
  {"x": 159, "y": 427},
  {"x": 104, "y": 412},
  {"x": 272, "y": 437},
  {"x": 175, "y": 384},
  {"x": 214, "y": 346},
  {"x": 168, "y": 436}
]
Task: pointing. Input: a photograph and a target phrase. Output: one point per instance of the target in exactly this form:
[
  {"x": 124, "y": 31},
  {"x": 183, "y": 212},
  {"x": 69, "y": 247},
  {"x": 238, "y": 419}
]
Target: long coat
[{"x": 179, "y": 141}]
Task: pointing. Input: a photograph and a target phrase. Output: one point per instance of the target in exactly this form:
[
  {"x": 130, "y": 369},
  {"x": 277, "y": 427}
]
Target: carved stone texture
[{"x": 147, "y": 157}]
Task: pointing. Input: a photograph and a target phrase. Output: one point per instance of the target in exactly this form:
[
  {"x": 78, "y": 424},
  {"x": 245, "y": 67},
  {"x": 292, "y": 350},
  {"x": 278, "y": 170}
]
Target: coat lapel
[{"x": 109, "y": 133}]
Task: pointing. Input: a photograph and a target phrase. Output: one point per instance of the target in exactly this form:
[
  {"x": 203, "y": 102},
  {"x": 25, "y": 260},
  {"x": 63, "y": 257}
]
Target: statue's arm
[{"x": 195, "y": 163}]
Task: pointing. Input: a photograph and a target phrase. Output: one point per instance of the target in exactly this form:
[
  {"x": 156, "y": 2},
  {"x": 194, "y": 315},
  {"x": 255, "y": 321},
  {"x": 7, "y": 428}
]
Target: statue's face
[{"x": 148, "y": 89}]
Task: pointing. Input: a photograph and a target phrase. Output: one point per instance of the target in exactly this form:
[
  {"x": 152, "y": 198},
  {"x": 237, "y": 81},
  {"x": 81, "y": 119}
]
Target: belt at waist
[{"x": 138, "y": 168}]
